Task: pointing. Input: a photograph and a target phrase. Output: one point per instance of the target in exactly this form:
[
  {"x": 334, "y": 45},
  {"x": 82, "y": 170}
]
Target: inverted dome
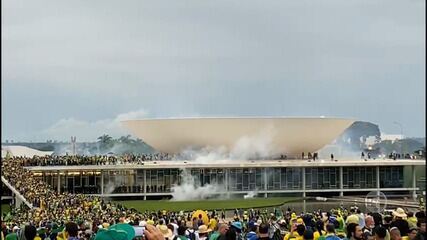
[{"x": 282, "y": 135}]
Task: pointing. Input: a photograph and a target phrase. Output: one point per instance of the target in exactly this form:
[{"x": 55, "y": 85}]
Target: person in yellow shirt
[
  {"x": 297, "y": 232},
  {"x": 60, "y": 236},
  {"x": 212, "y": 223},
  {"x": 320, "y": 230},
  {"x": 293, "y": 215},
  {"x": 292, "y": 222},
  {"x": 412, "y": 220}
]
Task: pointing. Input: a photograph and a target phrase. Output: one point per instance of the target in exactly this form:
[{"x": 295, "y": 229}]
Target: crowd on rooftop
[
  {"x": 110, "y": 159},
  {"x": 72, "y": 160}
]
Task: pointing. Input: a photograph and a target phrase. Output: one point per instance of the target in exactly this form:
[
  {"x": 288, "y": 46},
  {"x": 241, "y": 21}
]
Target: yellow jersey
[
  {"x": 316, "y": 234},
  {"x": 293, "y": 236}
]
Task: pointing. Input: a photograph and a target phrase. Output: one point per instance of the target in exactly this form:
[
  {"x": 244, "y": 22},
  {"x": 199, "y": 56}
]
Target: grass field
[
  {"x": 231, "y": 204},
  {"x": 5, "y": 208},
  {"x": 204, "y": 204}
]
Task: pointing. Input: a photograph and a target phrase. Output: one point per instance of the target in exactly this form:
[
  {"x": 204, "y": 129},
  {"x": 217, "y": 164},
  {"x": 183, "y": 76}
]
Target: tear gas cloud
[
  {"x": 257, "y": 146},
  {"x": 191, "y": 189},
  {"x": 247, "y": 147}
]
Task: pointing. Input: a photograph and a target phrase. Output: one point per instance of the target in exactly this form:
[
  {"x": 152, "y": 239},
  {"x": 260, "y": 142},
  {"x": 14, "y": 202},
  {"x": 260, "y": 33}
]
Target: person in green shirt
[
  {"x": 222, "y": 230},
  {"x": 12, "y": 236},
  {"x": 181, "y": 233}
]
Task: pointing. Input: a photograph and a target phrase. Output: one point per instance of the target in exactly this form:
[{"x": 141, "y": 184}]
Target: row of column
[{"x": 341, "y": 193}]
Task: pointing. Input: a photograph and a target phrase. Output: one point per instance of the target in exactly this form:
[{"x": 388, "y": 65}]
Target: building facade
[{"x": 267, "y": 178}]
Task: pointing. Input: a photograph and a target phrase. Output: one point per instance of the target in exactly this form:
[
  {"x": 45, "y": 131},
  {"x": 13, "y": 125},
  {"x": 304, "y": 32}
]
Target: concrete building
[{"x": 266, "y": 177}]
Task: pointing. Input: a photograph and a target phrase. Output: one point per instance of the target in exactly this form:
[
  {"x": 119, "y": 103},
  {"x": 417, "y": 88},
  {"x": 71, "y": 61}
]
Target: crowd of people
[
  {"x": 392, "y": 155},
  {"x": 395, "y": 156},
  {"x": 72, "y": 160},
  {"x": 111, "y": 159},
  {"x": 76, "y": 216},
  {"x": 257, "y": 225}
]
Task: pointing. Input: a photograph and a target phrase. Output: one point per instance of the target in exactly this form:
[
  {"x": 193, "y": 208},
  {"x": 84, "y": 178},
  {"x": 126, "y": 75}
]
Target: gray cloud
[
  {"x": 89, "y": 131},
  {"x": 92, "y": 60}
]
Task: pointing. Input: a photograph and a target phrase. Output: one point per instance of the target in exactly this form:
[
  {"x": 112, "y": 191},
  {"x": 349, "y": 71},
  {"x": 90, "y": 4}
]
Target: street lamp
[{"x": 401, "y": 134}]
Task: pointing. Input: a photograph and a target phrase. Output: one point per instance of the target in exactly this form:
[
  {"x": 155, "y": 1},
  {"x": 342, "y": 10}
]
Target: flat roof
[{"x": 173, "y": 164}]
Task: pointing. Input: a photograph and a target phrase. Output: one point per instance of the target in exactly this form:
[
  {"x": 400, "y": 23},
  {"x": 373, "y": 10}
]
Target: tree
[
  {"x": 105, "y": 142},
  {"x": 126, "y": 140}
]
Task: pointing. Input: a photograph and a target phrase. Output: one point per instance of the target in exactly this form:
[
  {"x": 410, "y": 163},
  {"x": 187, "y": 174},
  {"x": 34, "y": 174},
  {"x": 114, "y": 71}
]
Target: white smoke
[
  {"x": 255, "y": 146},
  {"x": 190, "y": 189},
  {"x": 109, "y": 188},
  {"x": 205, "y": 155},
  {"x": 62, "y": 149},
  {"x": 112, "y": 185},
  {"x": 251, "y": 194},
  {"x": 341, "y": 148}
]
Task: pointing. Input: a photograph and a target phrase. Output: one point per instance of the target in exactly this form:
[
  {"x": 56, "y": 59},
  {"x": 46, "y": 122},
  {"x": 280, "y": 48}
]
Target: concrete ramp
[
  {"x": 18, "y": 196},
  {"x": 22, "y": 151}
]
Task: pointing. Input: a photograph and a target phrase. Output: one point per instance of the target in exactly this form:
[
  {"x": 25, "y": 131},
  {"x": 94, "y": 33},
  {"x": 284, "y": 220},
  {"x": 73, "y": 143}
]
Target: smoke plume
[
  {"x": 256, "y": 146},
  {"x": 251, "y": 194},
  {"x": 191, "y": 189}
]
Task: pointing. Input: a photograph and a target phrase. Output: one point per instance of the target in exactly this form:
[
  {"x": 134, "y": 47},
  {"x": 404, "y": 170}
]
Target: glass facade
[
  {"x": 123, "y": 181},
  {"x": 51, "y": 179},
  {"x": 359, "y": 177},
  {"x": 78, "y": 182},
  {"x": 284, "y": 178},
  {"x": 391, "y": 177},
  {"x": 239, "y": 179},
  {"x": 322, "y": 178},
  {"x": 206, "y": 176},
  {"x": 161, "y": 180},
  {"x": 245, "y": 179}
]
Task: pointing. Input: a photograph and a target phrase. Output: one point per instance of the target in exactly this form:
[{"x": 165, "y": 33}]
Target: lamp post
[{"x": 401, "y": 134}]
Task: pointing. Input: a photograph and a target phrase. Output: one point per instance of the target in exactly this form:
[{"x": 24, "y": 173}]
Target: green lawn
[
  {"x": 5, "y": 208},
  {"x": 204, "y": 204},
  {"x": 230, "y": 204}
]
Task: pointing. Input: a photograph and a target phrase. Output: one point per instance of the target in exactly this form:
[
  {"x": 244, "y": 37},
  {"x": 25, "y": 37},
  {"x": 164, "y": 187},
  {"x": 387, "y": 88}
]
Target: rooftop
[{"x": 240, "y": 164}]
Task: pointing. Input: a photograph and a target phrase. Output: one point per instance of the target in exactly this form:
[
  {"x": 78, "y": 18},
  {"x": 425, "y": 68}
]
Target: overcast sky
[{"x": 79, "y": 67}]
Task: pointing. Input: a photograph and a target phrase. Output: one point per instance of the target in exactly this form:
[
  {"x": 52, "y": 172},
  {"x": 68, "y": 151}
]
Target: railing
[{"x": 17, "y": 194}]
